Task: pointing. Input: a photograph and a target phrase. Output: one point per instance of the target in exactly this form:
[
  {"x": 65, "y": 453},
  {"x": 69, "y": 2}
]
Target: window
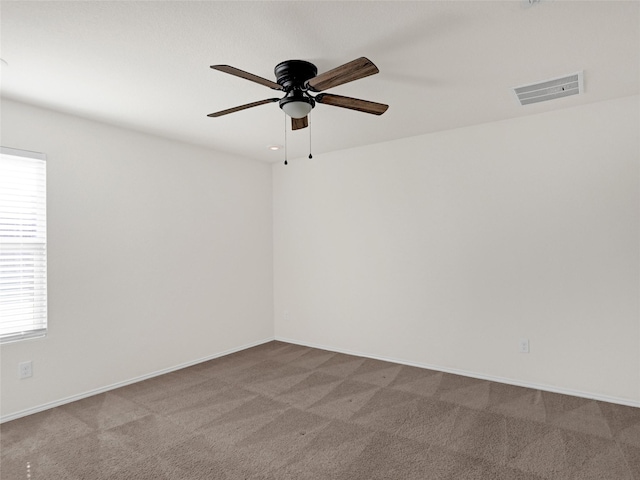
[{"x": 23, "y": 245}]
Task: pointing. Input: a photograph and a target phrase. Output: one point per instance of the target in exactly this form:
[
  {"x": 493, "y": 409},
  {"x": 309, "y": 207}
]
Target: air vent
[{"x": 550, "y": 89}]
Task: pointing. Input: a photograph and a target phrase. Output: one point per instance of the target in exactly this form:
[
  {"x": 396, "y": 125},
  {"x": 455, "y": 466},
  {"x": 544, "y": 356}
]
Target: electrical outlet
[
  {"x": 25, "y": 369},
  {"x": 523, "y": 345}
]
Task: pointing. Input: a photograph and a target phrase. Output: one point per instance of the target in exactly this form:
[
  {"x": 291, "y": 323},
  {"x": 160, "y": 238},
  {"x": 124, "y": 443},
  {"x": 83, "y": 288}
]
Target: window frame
[{"x": 36, "y": 247}]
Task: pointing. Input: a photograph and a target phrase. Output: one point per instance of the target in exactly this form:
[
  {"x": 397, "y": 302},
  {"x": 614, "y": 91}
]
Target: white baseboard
[
  {"x": 509, "y": 381},
  {"x": 492, "y": 378},
  {"x": 73, "y": 398}
]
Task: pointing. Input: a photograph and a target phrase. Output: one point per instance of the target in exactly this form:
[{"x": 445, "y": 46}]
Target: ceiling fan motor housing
[{"x": 292, "y": 75}]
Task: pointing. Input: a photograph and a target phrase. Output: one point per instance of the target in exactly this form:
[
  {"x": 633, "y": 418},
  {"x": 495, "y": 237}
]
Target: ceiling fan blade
[
  {"x": 242, "y": 107},
  {"x": 354, "y": 70},
  {"x": 352, "y": 103},
  {"x": 298, "y": 123},
  {"x": 247, "y": 76}
]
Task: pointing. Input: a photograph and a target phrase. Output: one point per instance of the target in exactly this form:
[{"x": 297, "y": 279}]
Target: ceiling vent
[{"x": 550, "y": 89}]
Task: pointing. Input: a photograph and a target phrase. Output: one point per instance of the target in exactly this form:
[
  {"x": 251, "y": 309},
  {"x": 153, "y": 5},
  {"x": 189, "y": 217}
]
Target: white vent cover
[{"x": 550, "y": 89}]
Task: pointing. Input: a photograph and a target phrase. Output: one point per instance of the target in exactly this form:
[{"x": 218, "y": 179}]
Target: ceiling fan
[{"x": 298, "y": 79}]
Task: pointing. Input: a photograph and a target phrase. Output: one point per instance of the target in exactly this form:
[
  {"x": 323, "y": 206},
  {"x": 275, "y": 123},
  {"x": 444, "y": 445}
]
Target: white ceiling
[{"x": 447, "y": 64}]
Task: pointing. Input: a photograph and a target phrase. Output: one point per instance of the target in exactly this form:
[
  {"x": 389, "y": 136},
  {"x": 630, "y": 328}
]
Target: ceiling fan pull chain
[
  {"x": 285, "y": 140},
  {"x": 310, "y": 156}
]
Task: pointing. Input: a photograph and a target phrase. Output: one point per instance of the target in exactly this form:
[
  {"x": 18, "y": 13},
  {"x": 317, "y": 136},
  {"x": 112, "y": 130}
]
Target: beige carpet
[{"x": 281, "y": 411}]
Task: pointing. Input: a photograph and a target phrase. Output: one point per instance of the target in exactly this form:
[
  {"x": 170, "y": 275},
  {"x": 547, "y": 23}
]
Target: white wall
[
  {"x": 440, "y": 250},
  {"x": 159, "y": 254},
  {"x": 446, "y": 249}
]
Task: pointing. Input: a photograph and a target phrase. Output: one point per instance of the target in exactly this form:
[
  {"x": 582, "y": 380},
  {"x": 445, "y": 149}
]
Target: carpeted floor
[{"x": 281, "y": 411}]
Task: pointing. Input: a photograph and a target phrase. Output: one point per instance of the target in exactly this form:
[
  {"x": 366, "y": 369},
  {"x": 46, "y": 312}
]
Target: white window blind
[{"x": 23, "y": 245}]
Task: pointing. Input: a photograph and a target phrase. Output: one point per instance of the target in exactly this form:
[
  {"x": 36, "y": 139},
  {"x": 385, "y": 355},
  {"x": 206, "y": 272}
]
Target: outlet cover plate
[{"x": 25, "y": 369}]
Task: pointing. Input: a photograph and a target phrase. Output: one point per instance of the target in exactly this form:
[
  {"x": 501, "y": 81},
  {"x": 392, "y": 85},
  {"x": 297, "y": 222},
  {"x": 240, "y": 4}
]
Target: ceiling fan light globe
[{"x": 297, "y": 109}]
